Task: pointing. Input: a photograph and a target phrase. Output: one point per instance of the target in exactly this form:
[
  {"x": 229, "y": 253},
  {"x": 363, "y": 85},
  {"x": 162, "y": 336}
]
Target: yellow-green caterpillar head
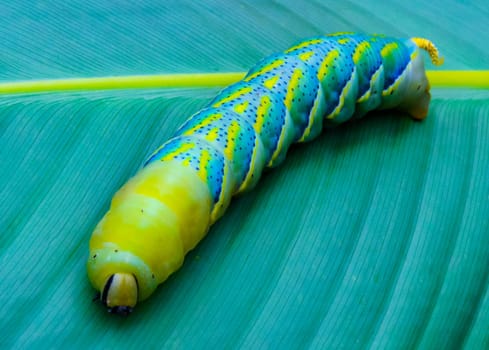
[
  {"x": 154, "y": 219},
  {"x": 121, "y": 278}
]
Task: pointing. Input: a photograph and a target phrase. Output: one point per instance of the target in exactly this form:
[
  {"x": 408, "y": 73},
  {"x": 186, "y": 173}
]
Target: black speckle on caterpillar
[{"x": 187, "y": 184}]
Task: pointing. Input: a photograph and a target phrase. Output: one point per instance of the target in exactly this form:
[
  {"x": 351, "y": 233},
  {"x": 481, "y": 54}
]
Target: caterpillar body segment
[
  {"x": 265, "y": 111},
  {"x": 187, "y": 184}
]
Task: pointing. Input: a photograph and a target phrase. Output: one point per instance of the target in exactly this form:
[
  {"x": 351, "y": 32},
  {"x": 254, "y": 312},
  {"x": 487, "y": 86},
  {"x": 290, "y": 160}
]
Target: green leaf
[{"x": 374, "y": 235}]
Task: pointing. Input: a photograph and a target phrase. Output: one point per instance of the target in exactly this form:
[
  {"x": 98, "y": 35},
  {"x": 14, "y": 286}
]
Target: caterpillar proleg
[{"x": 186, "y": 185}]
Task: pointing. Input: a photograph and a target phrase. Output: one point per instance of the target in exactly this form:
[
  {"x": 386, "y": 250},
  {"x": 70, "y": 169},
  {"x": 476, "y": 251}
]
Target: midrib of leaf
[{"x": 440, "y": 78}]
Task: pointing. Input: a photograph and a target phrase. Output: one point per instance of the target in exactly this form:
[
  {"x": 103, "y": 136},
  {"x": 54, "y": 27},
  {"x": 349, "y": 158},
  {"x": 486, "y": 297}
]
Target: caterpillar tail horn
[{"x": 429, "y": 47}]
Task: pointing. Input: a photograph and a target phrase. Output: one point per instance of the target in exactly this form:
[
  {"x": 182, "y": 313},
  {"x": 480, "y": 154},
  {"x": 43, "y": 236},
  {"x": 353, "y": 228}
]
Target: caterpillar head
[{"x": 120, "y": 293}]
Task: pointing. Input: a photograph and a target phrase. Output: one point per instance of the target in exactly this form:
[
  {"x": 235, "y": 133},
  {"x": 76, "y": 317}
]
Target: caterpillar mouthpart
[{"x": 120, "y": 293}]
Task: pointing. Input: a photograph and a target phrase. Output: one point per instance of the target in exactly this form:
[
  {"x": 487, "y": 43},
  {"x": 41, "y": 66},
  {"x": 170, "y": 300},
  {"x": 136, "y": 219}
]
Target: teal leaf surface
[{"x": 376, "y": 235}]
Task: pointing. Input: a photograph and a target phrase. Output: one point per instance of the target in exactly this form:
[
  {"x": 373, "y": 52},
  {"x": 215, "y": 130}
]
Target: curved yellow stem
[{"x": 442, "y": 78}]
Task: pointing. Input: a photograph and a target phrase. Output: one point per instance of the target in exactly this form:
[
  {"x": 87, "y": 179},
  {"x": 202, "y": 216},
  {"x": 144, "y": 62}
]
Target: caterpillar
[{"x": 186, "y": 185}]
